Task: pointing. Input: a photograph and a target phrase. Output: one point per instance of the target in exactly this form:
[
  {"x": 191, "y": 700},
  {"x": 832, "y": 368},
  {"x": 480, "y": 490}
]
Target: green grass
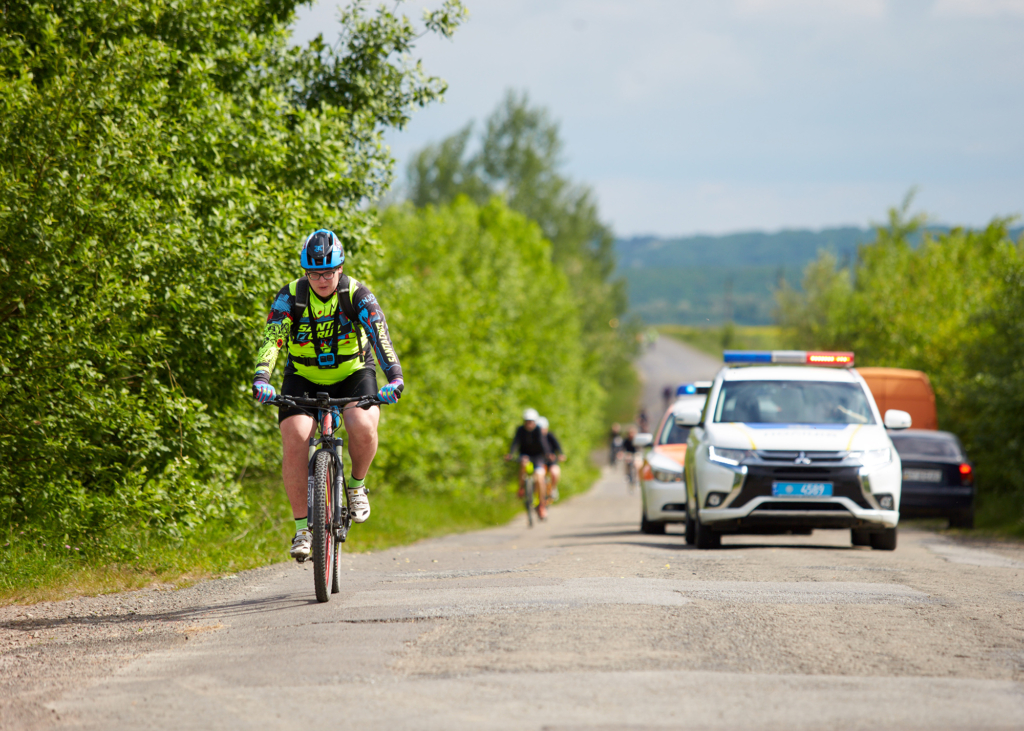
[
  {"x": 999, "y": 515},
  {"x": 713, "y": 340},
  {"x": 36, "y": 568}
]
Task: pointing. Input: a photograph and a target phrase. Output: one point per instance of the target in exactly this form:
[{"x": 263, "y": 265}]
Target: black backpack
[{"x": 299, "y": 306}]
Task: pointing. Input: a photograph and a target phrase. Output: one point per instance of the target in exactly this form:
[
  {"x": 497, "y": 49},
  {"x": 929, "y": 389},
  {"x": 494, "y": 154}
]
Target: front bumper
[
  {"x": 664, "y": 502},
  {"x": 750, "y": 505}
]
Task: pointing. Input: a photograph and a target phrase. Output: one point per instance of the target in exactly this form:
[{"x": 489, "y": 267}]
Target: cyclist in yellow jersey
[{"x": 337, "y": 358}]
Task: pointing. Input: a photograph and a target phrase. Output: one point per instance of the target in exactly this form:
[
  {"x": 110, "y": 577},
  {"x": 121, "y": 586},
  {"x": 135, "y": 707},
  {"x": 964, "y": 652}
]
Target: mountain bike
[
  {"x": 528, "y": 491},
  {"x": 326, "y": 499}
]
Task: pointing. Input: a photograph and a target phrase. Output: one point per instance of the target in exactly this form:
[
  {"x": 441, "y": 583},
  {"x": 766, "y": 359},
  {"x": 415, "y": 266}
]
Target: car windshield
[
  {"x": 793, "y": 402},
  {"x": 672, "y": 433},
  {"x": 910, "y": 445}
]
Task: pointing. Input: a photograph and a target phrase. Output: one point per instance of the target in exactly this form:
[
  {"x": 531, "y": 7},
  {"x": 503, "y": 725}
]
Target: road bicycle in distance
[{"x": 326, "y": 499}]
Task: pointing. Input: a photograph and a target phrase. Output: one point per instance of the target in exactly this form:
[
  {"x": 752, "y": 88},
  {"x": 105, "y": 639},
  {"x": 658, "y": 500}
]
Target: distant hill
[
  {"x": 785, "y": 248},
  {"x": 707, "y": 280}
]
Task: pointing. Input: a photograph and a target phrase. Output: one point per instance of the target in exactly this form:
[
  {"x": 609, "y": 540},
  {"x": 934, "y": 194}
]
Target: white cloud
[
  {"x": 978, "y": 8},
  {"x": 810, "y": 10}
]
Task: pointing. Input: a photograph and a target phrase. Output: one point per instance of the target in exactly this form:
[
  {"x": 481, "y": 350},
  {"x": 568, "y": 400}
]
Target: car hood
[
  {"x": 675, "y": 452},
  {"x": 808, "y": 437}
]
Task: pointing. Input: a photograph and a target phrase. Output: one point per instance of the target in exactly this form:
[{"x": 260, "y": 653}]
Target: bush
[{"x": 485, "y": 325}]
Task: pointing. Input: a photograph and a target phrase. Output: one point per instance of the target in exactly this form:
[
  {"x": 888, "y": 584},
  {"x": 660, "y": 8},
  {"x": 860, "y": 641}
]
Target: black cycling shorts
[
  {"x": 539, "y": 460},
  {"x": 361, "y": 383}
]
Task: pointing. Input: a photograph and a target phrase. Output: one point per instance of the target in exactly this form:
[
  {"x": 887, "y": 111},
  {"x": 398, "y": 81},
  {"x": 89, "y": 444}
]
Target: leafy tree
[
  {"x": 519, "y": 158},
  {"x": 952, "y": 307},
  {"x": 465, "y": 287},
  {"x": 160, "y": 161}
]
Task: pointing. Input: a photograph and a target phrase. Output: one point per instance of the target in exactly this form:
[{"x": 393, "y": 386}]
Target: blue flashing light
[
  {"x": 747, "y": 356},
  {"x": 687, "y": 389}
]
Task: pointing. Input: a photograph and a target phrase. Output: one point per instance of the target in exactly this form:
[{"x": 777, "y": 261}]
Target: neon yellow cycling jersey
[{"x": 302, "y": 355}]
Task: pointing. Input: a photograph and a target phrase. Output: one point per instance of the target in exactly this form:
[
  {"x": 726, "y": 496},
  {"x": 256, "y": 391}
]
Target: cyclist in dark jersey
[
  {"x": 336, "y": 362},
  {"x": 555, "y": 456},
  {"x": 532, "y": 447}
]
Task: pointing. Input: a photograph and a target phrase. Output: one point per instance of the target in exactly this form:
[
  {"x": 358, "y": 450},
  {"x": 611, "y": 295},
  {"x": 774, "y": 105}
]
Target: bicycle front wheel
[
  {"x": 528, "y": 500},
  {"x": 323, "y": 538}
]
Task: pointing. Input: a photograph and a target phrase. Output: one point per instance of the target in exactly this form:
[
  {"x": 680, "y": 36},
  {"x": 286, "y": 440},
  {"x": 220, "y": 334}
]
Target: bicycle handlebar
[{"x": 324, "y": 403}]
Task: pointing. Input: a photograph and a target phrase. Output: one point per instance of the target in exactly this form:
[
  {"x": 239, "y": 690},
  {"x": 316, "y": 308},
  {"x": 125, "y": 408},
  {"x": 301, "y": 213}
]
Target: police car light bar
[
  {"x": 697, "y": 387},
  {"x": 790, "y": 357}
]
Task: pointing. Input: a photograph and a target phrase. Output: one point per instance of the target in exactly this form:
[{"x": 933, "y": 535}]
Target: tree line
[{"x": 160, "y": 163}]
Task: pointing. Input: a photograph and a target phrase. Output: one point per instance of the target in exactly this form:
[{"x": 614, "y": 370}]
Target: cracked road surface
[
  {"x": 584, "y": 623},
  {"x": 579, "y": 623}
]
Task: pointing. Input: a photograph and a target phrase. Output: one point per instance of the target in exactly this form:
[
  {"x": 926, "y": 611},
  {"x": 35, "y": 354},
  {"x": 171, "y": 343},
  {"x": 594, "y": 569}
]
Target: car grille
[
  {"x": 789, "y": 457},
  {"x": 758, "y": 483}
]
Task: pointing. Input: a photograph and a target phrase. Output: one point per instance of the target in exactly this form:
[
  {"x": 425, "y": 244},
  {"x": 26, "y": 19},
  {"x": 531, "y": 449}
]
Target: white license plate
[{"x": 922, "y": 475}]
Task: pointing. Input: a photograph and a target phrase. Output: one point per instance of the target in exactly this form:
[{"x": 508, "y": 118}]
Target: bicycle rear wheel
[{"x": 324, "y": 558}]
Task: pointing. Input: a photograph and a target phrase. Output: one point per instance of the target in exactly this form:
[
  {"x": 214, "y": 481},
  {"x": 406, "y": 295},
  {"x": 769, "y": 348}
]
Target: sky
[{"x": 716, "y": 116}]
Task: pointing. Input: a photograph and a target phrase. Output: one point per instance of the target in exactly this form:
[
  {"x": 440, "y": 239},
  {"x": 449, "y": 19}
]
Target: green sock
[
  {"x": 302, "y": 524},
  {"x": 354, "y": 484}
]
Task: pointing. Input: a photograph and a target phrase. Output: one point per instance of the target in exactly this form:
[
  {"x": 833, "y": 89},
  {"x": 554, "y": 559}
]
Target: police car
[
  {"x": 791, "y": 441},
  {"x": 663, "y": 494}
]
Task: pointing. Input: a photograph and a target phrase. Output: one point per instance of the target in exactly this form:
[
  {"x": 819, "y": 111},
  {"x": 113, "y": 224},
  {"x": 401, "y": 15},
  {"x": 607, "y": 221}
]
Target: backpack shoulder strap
[
  {"x": 299, "y": 305},
  {"x": 348, "y": 307}
]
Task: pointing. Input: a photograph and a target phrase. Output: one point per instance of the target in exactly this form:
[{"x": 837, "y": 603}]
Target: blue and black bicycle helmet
[{"x": 322, "y": 250}]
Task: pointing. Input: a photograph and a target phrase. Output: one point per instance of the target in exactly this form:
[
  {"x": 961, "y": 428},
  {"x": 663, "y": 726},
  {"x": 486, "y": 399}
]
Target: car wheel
[
  {"x": 707, "y": 538},
  {"x": 859, "y": 537},
  {"x": 962, "y": 520},
  {"x": 884, "y": 540},
  {"x": 650, "y": 527},
  {"x": 691, "y": 529}
]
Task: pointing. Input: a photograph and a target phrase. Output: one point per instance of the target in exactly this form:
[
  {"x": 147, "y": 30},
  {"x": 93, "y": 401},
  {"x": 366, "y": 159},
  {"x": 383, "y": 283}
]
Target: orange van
[{"x": 899, "y": 388}]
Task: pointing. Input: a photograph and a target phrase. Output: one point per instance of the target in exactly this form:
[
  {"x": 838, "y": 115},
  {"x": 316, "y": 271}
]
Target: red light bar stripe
[{"x": 830, "y": 358}]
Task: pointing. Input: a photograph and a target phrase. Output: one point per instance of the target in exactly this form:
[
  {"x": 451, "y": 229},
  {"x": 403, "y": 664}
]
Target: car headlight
[
  {"x": 666, "y": 475},
  {"x": 873, "y": 457},
  {"x": 730, "y": 457}
]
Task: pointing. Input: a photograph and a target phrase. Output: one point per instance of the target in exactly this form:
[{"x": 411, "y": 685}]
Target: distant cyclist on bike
[
  {"x": 532, "y": 447},
  {"x": 338, "y": 360},
  {"x": 555, "y": 456},
  {"x": 628, "y": 455}
]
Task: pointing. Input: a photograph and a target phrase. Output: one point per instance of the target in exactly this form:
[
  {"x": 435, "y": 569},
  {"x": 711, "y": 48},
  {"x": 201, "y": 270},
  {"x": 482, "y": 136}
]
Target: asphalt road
[
  {"x": 579, "y": 623},
  {"x": 671, "y": 363}
]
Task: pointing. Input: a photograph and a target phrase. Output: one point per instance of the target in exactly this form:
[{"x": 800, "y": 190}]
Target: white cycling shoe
[
  {"x": 302, "y": 545},
  {"x": 358, "y": 504}
]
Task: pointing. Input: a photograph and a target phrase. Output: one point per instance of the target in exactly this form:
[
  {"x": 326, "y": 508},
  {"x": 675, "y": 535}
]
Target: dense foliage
[
  {"x": 485, "y": 325},
  {"x": 953, "y": 307},
  {"x": 518, "y": 157},
  {"x": 159, "y": 162}
]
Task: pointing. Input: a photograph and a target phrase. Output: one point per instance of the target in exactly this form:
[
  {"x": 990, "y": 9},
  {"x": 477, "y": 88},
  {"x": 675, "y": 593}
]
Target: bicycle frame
[{"x": 341, "y": 520}]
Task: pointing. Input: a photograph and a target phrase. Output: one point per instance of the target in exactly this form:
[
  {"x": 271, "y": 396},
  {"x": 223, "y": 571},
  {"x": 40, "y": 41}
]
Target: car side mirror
[
  {"x": 643, "y": 440},
  {"x": 896, "y": 419},
  {"x": 688, "y": 417}
]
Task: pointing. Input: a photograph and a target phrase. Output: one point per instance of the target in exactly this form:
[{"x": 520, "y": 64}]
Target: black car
[{"x": 938, "y": 479}]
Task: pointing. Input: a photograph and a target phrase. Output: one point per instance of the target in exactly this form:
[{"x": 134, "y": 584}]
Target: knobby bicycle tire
[
  {"x": 338, "y": 494},
  {"x": 323, "y": 537}
]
